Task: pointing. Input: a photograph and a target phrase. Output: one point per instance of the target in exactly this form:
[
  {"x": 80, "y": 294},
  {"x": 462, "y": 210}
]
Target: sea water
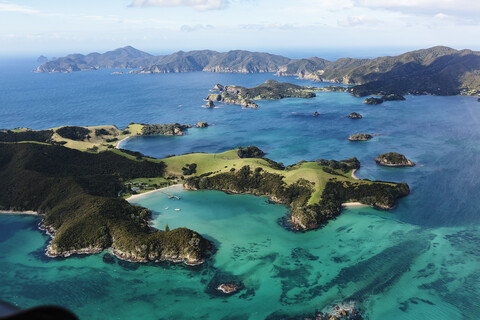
[{"x": 418, "y": 261}]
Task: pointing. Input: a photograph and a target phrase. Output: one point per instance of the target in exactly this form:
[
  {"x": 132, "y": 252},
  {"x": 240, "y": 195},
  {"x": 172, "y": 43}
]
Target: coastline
[
  {"x": 27, "y": 212},
  {"x": 354, "y": 176},
  {"x": 136, "y": 196},
  {"x": 119, "y": 143}
]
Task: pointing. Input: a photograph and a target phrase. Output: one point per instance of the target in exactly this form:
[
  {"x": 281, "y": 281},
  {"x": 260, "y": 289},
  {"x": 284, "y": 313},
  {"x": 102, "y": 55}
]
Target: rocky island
[
  {"x": 373, "y": 101},
  {"x": 271, "y": 89},
  {"x": 355, "y": 115},
  {"x": 394, "y": 159},
  {"x": 360, "y": 137}
]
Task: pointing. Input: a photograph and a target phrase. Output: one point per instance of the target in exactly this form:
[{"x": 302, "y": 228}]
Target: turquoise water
[{"x": 418, "y": 261}]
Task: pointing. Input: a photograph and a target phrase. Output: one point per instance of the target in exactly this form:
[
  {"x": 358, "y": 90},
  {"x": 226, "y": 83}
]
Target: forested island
[
  {"x": 436, "y": 71},
  {"x": 78, "y": 192},
  {"x": 271, "y": 90},
  {"x": 394, "y": 159}
]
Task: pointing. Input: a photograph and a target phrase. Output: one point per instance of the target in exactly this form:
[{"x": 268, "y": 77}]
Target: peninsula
[{"x": 435, "y": 71}]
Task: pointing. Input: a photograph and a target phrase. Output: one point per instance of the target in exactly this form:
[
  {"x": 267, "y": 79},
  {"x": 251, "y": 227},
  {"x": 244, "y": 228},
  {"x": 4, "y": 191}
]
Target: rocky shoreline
[{"x": 52, "y": 253}]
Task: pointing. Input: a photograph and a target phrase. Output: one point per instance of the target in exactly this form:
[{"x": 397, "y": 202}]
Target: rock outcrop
[
  {"x": 201, "y": 124},
  {"x": 373, "y": 101},
  {"x": 360, "y": 137},
  {"x": 355, "y": 115},
  {"x": 228, "y": 288}
]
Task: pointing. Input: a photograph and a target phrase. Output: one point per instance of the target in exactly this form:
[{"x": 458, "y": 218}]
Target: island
[
  {"x": 79, "y": 192},
  {"x": 355, "y": 115},
  {"x": 229, "y": 288},
  {"x": 434, "y": 71},
  {"x": 201, "y": 124},
  {"x": 394, "y": 159},
  {"x": 373, "y": 101},
  {"x": 271, "y": 89},
  {"x": 360, "y": 137}
]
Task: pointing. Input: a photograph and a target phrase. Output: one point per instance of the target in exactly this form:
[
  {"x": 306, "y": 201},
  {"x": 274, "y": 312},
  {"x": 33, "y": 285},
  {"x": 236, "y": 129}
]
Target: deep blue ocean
[{"x": 418, "y": 261}]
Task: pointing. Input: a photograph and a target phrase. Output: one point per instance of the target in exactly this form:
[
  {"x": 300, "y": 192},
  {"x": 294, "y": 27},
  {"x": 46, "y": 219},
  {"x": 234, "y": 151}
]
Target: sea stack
[{"x": 209, "y": 104}]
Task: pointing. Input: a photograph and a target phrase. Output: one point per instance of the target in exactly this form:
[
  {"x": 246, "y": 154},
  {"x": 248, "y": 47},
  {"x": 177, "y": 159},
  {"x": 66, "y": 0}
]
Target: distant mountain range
[{"x": 438, "y": 70}]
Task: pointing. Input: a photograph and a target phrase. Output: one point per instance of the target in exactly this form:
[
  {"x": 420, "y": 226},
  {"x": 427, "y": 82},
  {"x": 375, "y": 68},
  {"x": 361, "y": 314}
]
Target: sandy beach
[
  {"x": 34, "y": 213},
  {"x": 136, "y": 196},
  {"x": 354, "y": 176},
  {"x": 119, "y": 144},
  {"x": 354, "y": 204}
]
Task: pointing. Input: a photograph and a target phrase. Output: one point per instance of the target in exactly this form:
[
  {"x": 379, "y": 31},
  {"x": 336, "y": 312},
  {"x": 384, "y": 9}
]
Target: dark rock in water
[
  {"x": 209, "y": 104},
  {"x": 201, "y": 124},
  {"x": 373, "y": 101},
  {"x": 393, "y": 159},
  {"x": 108, "y": 258},
  {"x": 228, "y": 288},
  {"x": 223, "y": 284},
  {"x": 355, "y": 115},
  {"x": 360, "y": 137},
  {"x": 478, "y": 99},
  {"x": 393, "y": 97},
  {"x": 316, "y": 114}
]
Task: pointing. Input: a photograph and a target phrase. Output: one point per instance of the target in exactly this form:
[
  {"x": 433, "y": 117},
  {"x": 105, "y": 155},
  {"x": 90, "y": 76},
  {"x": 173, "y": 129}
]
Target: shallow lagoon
[{"x": 420, "y": 260}]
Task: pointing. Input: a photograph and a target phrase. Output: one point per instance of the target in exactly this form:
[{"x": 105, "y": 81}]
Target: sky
[{"x": 296, "y": 28}]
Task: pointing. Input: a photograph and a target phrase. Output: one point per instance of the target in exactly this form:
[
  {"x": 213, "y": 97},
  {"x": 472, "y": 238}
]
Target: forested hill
[
  {"x": 438, "y": 70},
  {"x": 78, "y": 194}
]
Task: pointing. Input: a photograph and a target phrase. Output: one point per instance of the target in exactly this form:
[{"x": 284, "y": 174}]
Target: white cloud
[
  {"x": 10, "y": 7},
  {"x": 200, "y": 5},
  {"x": 441, "y": 16},
  {"x": 424, "y": 6},
  {"x": 358, "y": 20}
]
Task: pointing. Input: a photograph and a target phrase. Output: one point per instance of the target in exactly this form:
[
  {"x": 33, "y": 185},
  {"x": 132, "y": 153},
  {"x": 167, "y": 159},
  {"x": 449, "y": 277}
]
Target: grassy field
[{"x": 224, "y": 162}]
